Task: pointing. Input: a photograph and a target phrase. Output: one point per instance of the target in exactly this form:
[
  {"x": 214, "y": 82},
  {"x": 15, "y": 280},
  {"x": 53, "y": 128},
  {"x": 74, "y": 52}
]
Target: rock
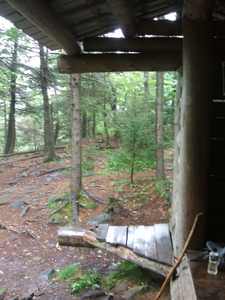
[
  {"x": 94, "y": 294},
  {"x": 3, "y": 202},
  {"x": 51, "y": 245},
  {"x": 101, "y": 219},
  {"x": 88, "y": 205},
  {"x": 36, "y": 258},
  {"x": 58, "y": 298},
  {"x": 54, "y": 221},
  {"x": 122, "y": 287},
  {"x": 13, "y": 182},
  {"x": 24, "y": 211},
  {"x": 96, "y": 180},
  {"x": 136, "y": 291},
  {"x": 17, "y": 204},
  {"x": 46, "y": 274},
  {"x": 29, "y": 297},
  {"x": 19, "y": 283},
  {"x": 26, "y": 197},
  {"x": 24, "y": 175}
]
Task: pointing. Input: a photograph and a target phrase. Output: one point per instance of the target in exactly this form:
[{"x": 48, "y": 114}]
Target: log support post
[{"x": 193, "y": 135}]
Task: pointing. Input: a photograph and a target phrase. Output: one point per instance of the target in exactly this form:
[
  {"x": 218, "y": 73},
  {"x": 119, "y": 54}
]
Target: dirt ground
[{"x": 28, "y": 241}]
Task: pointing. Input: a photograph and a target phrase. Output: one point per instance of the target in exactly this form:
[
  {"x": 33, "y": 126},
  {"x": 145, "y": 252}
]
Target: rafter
[
  {"x": 38, "y": 13},
  {"x": 198, "y": 10},
  {"x": 123, "y": 13},
  {"x": 160, "y": 27}
]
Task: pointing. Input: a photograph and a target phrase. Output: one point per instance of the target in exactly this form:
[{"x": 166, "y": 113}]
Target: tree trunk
[
  {"x": 146, "y": 91},
  {"x": 105, "y": 123},
  {"x": 49, "y": 146},
  {"x": 160, "y": 176},
  {"x": 57, "y": 128},
  {"x": 94, "y": 124},
  {"x": 11, "y": 132},
  {"x": 84, "y": 124},
  {"x": 76, "y": 155}
]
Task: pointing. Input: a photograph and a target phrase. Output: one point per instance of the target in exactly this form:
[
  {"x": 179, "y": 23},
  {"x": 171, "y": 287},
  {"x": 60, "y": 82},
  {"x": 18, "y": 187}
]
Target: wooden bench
[{"x": 147, "y": 246}]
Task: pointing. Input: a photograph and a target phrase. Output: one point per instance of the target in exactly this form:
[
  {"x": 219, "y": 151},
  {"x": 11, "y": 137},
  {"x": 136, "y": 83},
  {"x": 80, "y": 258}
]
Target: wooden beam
[
  {"x": 173, "y": 28},
  {"x": 86, "y": 63},
  {"x": 123, "y": 13},
  {"x": 132, "y": 45},
  {"x": 219, "y": 28},
  {"x": 198, "y": 10},
  {"x": 39, "y": 14},
  {"x": 76, "y": 237},
  {"x": 160, "y": 27}
]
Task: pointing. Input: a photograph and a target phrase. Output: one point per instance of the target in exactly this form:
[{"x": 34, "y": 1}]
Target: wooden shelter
[{"x": 193, "y": 44}]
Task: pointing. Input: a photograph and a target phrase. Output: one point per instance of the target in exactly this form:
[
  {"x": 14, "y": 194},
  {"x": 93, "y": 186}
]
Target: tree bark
[
  {"x": 76, "y": 152},
  {"x": 84, "y": 124},
  {"x": 160, "y": 175},
  {"x": 105, "y": 122},
  {"x": 49, "y": 146},
  {"x": 11, "y": 132},
  {"x": 94, "y": 123},
  {"x": 147, "y": 91}
]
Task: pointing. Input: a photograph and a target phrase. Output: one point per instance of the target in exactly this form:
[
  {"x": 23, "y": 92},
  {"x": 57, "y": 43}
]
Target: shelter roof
[
  {"x": 66, "y": 24},
  {"x": 83, "y": 18}
]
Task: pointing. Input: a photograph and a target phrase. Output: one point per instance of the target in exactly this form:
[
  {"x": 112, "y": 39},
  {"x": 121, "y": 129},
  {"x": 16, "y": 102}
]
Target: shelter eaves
[{"x": 82, "y": 18}]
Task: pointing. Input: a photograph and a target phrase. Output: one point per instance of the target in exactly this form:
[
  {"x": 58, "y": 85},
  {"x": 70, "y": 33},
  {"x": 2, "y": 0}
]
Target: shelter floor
[{"x": 207, "y": 286}]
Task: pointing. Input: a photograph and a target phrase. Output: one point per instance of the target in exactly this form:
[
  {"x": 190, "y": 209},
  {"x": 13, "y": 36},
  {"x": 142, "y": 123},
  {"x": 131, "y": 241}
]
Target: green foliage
[
  {"x": 127, "y": 270},
  {"x": 112, "y": 103},
  {"x": 90, "y": 280},
  {"x": 88, "y": 156},
  {"x": 69, "y": 273},
  {"x": 161, "y": 189}
]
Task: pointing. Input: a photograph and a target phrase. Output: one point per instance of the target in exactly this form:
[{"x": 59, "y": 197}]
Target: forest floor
[{"x": 28, "y": 234}]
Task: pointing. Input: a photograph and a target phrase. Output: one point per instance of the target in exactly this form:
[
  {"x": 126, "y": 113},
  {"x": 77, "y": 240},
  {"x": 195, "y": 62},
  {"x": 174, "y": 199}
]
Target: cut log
[
  {"x": 124, "y": 15},
  {"x": 139, "y": 240},
  {"x": 130, "y": 238},
  {"x": 77, "y": 237},
  {"x": 86, "y": 63},
  {"x": 102, "y": 232},
  {"x": 163, "y": 243},
  {"x": 150, "y": 244}
]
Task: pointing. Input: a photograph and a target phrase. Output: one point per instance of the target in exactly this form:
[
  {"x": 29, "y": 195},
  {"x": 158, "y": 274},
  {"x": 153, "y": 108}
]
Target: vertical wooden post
[{"x": 191, "y": 178}]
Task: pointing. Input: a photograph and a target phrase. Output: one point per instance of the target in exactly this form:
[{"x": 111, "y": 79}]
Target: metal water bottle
[{"x": 212, "y": 264}]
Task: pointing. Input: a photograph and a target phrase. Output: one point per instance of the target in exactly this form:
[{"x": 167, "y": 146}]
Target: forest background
[{"x": 137, "y": 108}]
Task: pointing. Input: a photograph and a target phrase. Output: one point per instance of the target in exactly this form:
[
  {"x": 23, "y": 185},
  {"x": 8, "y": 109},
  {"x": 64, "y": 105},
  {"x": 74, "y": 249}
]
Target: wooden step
[
  {"x": 152, "y": 242},
  {"x": 117, "y": 237}
]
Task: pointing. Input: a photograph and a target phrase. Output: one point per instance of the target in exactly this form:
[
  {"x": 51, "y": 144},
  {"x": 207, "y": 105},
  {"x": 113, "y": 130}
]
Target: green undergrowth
[
  {"x": 83, "y": 281},
  {"x": 66, "y": 213},
  {"x": 126, "y": 271}
]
